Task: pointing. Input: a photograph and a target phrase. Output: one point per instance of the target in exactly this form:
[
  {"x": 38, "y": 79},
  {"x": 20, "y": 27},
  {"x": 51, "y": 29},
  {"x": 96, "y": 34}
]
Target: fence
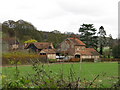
[
  {"x": 92, "y": 60},
  {"x": 110, "y": 59}
]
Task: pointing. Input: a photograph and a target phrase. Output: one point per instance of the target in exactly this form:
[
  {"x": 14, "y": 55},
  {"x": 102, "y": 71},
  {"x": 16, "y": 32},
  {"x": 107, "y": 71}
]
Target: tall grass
[{"x": 47, "y": 78}]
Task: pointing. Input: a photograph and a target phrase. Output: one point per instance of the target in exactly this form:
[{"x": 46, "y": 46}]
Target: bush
[
  {"x": 23, "y": 58},
  {"x": 30, "y": 41},
  {"x": 116, "y": 51}
]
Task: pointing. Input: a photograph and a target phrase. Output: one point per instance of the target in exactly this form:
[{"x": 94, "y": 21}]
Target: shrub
[
  {"x": 23, "y": 58},
  {"x": 30, "y": 41},
  {"x": 116, "y": 51}
]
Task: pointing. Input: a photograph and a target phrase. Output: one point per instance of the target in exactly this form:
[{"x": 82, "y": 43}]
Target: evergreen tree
[
  {"x": 116, "y": 51},
  {"x": 110, "y": 41},
  {"x": 87, "y": 35},
  {"x": 101, "y": 39}
]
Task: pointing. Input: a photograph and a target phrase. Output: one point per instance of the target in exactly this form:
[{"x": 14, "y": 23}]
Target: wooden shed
[
  {"x": 38, "y": 46},
  {"x": 50, "y": 53}
]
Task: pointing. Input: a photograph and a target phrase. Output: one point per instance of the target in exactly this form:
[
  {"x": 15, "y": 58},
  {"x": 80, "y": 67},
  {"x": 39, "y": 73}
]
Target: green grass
[{"x": 107, "y": 71}]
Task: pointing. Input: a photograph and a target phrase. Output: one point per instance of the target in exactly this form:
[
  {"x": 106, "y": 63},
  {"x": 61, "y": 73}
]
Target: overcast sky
[{"x": 63, "y": 15}]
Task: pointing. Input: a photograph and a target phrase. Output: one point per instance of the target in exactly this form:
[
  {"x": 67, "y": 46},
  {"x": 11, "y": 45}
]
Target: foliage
[
  {"x": 87, "y": 32},
  {"x": 108, "y": 44},
  {"x": 30, "y": 41},
  {"x": 23, "y": 58},
  {"x": 56, "y": 31},
  {"x": 101, "y": 39},
  {"x": 42, "y": 77},
  {"x": 24, "y": 31},
  {"x": 116, "y": 51},
  {"x": 110, "y": 41},
  {"x": 21, "y": 29}
]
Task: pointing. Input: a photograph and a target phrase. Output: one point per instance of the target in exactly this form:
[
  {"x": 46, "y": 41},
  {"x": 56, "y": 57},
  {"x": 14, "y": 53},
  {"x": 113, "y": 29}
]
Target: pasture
[{"x": 107, "y": 72}]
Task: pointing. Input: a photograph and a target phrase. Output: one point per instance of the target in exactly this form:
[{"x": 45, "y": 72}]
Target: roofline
[
  {"x": 43, "y": 42},
  {"x": 70, "y": 41},
  {"x": 80, "y": 45},
  {"x": 75, "y": 44}
]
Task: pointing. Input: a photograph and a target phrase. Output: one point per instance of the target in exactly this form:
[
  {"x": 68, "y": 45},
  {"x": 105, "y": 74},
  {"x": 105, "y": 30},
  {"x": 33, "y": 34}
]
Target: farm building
[
  {"x": 50, "y": 53},
  {"x": 9, "y": 44},
  {"x": 38, "y": 46},
  {"x": 77, "y": 49}
]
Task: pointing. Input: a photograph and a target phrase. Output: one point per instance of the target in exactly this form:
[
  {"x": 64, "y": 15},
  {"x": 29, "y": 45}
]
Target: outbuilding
[
  {"x": 38, "y": 46},
  {"x": 50, "y": 53},
  {"x": 77, "y": 49}
]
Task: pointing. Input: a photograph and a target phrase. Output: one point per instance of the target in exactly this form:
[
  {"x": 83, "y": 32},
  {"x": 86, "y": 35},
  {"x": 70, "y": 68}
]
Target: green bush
[
  {"x": 30, "y": 41},
  {"x": 116, "y": 51},
  {"x": 23, "y": 58}
]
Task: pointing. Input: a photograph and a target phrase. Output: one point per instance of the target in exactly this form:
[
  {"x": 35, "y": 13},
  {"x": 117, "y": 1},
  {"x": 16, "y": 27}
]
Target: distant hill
[{"x": 23, "y": 31}]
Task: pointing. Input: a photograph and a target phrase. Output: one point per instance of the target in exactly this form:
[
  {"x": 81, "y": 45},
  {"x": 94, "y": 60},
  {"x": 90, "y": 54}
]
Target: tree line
[
  {"x": 99, "y": 40},
  {"x": 23, "y": 31}
]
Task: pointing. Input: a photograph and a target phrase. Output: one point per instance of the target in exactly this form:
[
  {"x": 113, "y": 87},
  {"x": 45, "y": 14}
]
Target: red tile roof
[
  {"x": 85, "y": 52},
  {"x": 48, "y": 51},
  {"x": 89, "y": 51},
  {"x": 92, "y": 51},
  {"x": 39, "y": 45},
  {"x": 76, "y": 41}
]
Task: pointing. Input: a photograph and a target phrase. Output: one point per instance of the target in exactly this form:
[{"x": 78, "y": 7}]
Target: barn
[
  {"x": 77, "y": 49},
  {"x": 50, "y": 53},
  {"x": 38, "y": 46}
]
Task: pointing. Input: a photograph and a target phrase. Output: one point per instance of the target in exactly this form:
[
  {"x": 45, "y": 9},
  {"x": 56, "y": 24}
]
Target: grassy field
[{"x": 108, "y": 72}]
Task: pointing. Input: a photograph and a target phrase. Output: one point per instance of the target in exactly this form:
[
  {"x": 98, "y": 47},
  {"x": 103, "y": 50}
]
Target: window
[
  {"x": 49, "y": 47},
  {"x": 42, "y": 53}
]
